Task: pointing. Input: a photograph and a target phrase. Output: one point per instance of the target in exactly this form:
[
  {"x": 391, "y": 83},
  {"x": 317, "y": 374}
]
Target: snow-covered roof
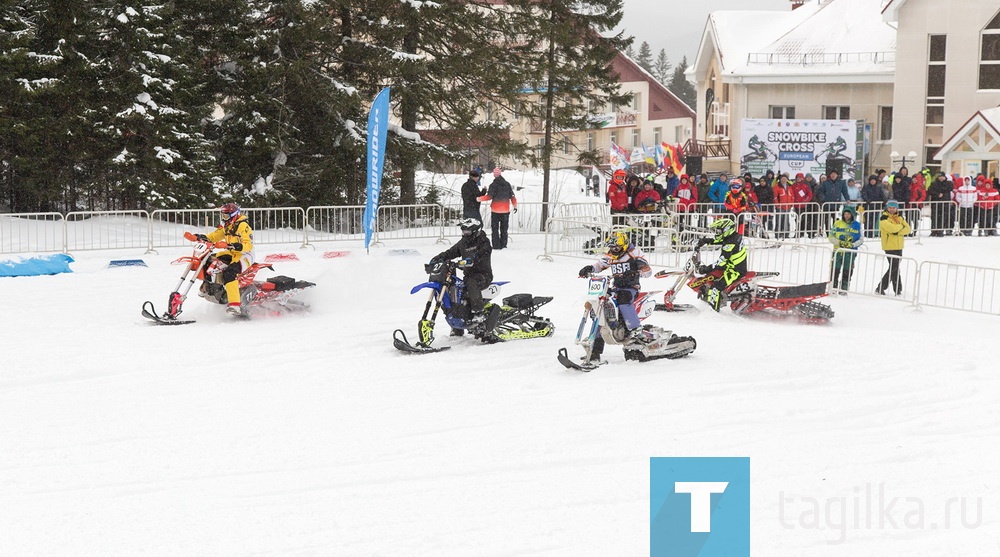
[{"x": 837, "y": 41}]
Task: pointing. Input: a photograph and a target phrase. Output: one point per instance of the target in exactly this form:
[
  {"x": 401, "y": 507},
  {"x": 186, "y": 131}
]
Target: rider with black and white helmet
[
  {"x": 732, "y": 261},
  {"x": 475, "y": 252}
]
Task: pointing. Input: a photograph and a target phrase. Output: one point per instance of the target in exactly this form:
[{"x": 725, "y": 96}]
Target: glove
[
  {"x": 703, "y": 242},
  {"x": 846, "y": 244},
  {"x": 704, "y": 269},
  {"x": 201, "y": 237},
  {"x": 586, "y": 271},
  {"x": 236, "y": 246}
]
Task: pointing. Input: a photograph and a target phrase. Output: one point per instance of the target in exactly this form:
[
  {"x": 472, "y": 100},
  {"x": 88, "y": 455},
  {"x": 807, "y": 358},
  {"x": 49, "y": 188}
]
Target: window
[
  {"x": 590, "y": 141},
  {"x": 836, "y": 113},
  {"x": 565, "y": 146},
  {"x": 989, "y": 55},
  {"x": 637, "y": 102},
  {"x": 657, "y": 135},
  {"x": 935, "y": 115},
  {"x": 885, "y": 123},
  {"x": 678, "y": 134},
  {"x": 935, "y": 80},
  {"x": 614, "y": 137},
  {"x": 517, "y": 111},
  {"x": 635, "y": 138},
  {"x": 782, "y": 112},
  {"x": 937, "y": 55}
]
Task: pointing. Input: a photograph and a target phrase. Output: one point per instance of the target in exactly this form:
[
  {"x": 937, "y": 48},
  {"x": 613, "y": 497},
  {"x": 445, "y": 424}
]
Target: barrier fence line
[
  {"x": 94, "y": 230},
  {"x": 578, "y": 230},
  {"x": 961, "y": 287},
  {"x": 31, "y": 232},
  {"x": 796, "y": 263},
  {"x": 399, "y": 222},
  {"x": 334, "y": 223}
]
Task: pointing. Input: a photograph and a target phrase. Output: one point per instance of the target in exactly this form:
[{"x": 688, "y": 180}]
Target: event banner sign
[{"x": 794, "y": 146}]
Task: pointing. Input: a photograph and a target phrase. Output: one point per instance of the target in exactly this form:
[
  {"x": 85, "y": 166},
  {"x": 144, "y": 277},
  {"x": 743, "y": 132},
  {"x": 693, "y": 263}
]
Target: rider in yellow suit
[{"x": 236, "y": 232}]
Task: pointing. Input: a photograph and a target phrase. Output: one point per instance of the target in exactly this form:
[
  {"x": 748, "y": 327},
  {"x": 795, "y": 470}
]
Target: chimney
[{"x": 796, "y": 4}]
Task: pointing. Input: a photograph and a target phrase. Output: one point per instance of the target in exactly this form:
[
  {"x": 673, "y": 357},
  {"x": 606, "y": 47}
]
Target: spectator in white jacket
[{"x": 966, "y": 196}]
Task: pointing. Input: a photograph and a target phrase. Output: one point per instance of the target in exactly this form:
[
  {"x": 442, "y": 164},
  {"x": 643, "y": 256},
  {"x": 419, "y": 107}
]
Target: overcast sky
[{"x": 677, "y": 25}]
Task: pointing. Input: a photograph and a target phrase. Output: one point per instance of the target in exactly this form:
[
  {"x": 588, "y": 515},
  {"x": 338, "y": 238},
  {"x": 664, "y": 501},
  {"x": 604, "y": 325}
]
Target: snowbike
[
  {"x": 602, "y": 317},
  {"x": 513, "y": 319},
  {"x": 746, "y": 296},
  {"x": 273, "y": 296}
]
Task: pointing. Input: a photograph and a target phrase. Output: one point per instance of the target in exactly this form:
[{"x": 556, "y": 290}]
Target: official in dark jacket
[
  {"x": 939, "y": 194},
  {"x": 470, "y": 192}
]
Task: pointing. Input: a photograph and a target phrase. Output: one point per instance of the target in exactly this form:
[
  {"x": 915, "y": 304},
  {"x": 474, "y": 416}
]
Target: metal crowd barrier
[
  {"x": 281, "y": 225},
  {"x": 31, "y": 232},
  {"x": 797, "y": 263},
  {"x": 961, "y": 287},
  {"x": 399, "y": 222},
  {"x": 871, "y": 265},
  {"x": 93, "y": 230},
  {"x": 334, "y": 223}
]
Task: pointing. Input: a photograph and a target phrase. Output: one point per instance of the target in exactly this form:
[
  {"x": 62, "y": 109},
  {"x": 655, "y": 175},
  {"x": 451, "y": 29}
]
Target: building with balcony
[
  {"x": 828, "y": 60},
  {"x": 655, "y": 115}
]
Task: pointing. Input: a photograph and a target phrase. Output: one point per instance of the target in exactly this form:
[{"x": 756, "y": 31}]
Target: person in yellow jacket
[
  {"x": 236, "y": 232},
  {"x": 893, "y": 228}
]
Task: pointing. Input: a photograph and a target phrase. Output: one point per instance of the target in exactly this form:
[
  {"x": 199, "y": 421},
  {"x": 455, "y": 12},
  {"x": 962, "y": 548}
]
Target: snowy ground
[{"x": 311, "y": 435}]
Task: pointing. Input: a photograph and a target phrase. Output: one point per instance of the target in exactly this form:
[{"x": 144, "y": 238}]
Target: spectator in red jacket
[
  {"x": 686, "y": 194},
  {"x": 987, "y": 199},
  {"x": 803, "y": 193},
  {"x": 617, "y": 194},
  {"x": 648, "y": 199}
]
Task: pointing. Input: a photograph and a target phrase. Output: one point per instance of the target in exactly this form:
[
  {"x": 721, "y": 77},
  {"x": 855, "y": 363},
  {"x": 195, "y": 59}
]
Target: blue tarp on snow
[{"x": 36, "y": 266}]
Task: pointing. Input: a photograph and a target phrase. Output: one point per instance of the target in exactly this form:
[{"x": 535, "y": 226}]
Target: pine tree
[
  {"x": 42, "y": 77},
  {"x": 680, "y": 86},
  {"x": 573, "y": 68},
  {"x": 661, "y": 68},
  {"x": 645, "y": 57},
  {"x": 146, "y": 110}
]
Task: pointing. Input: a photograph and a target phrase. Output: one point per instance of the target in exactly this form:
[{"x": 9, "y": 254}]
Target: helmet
[
  {"x": 470, "y": 226},
  {"x": 723, "y": 228},
  {"x": 736, "y": 184},
  {"x": 617, "y": 243},
  {"x": 230, "y": 212},
  {"x": 649, "y": 179},
  {"x": 619, "y": 175}
]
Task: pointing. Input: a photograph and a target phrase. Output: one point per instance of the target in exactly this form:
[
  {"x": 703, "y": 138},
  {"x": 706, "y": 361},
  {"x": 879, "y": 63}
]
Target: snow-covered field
[{"x": 310, "y": 435}]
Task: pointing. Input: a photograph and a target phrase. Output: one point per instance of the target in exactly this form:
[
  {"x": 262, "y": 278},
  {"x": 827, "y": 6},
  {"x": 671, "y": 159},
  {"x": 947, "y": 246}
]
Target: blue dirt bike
[{"x": 512, "y": 320}]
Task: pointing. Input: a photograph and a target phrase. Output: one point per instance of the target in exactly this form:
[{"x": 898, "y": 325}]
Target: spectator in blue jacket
[{"x": 717, "y": 193}]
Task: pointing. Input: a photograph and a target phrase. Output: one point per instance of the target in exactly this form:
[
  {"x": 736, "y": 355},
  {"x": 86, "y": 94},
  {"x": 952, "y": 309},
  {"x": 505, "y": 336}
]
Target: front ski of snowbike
[
  {"x": 748, "y": 298},
  {"x": 275, "y": 295},
  {"x": 513, "y": 319},
  {"x": 601, "y": 319}
]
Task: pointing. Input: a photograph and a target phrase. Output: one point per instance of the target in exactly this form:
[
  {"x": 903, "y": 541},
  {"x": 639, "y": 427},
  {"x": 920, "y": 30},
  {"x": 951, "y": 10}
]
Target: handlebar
[{"x": 221, "y": 244}]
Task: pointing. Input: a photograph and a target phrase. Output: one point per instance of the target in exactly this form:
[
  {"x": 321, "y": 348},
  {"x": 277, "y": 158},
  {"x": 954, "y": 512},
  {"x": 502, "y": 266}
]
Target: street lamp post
[{"x": 911, "y": 157}]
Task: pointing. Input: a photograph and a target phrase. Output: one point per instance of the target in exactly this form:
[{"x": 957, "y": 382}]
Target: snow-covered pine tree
[{"x": 572, "y": 67}]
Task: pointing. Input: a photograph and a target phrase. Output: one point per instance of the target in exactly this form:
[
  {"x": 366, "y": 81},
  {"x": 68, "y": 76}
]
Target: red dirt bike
[
  {"x": 275, "y": 295},
  {"x": 746, "y": 296}
]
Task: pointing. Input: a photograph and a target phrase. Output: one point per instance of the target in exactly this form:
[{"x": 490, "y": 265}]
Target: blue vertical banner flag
[{"x": 378, "y": 122}]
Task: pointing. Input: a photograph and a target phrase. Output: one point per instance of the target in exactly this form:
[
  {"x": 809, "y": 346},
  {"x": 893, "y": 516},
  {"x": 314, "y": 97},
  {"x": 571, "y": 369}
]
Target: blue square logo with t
[{"x": 699, "y": 507}]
